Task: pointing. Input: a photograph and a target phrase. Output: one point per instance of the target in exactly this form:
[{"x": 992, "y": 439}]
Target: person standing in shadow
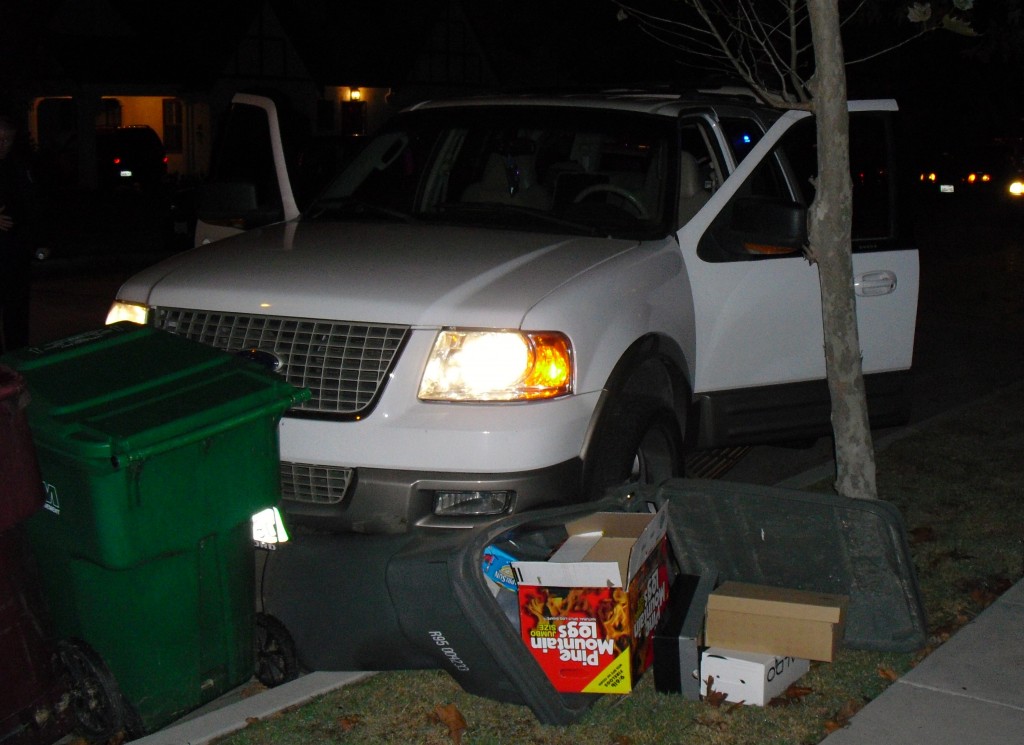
[{"x": 17, "y": 205}]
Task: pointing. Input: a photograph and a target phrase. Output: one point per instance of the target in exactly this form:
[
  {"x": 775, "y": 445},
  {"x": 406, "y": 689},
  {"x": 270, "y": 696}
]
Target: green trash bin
[{"x": 155, "y": 452}]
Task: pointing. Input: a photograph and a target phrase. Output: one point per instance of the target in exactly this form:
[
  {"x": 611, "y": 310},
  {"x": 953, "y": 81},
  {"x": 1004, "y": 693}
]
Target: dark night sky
[{"x": 535, "y": 43}]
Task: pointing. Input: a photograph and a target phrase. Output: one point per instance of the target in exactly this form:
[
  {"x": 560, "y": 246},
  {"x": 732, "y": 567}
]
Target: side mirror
[
  {"x": 767, "y": 227},
  {"x": 232, "y": 204},
  {"x": 753, "y": 228}
]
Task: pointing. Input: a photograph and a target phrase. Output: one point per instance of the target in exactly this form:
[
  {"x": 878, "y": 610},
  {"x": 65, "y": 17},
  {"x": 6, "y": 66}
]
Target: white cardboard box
[{"x": 749, "y": 677}]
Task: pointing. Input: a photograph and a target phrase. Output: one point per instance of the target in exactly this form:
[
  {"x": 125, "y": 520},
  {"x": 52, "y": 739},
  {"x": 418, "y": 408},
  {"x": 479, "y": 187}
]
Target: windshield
[{"x": 576, "y": 171}]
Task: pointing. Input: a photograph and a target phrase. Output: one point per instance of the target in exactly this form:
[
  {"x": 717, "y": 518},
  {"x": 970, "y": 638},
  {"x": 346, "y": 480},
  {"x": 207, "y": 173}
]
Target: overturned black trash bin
[{"x": 420, "y": 600}]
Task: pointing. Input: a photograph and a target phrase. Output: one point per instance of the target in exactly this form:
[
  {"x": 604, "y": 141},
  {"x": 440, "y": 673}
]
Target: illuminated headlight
[
  {"x": 472, "y": 502},
  {"x": 1017, "y": 188},
  {"x": 497, "y": 366},
  {"x": 121, "y": 311}
]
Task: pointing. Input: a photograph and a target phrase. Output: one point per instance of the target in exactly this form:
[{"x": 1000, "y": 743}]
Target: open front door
[
  {"x": 249, "y": 183},
  {"x": 760, "y": 363}
]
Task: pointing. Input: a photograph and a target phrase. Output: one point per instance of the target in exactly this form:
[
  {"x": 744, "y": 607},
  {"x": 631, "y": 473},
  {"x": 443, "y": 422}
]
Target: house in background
[
  {"x": 338, "y": 69},
  {"x": 341, "y": 67}
]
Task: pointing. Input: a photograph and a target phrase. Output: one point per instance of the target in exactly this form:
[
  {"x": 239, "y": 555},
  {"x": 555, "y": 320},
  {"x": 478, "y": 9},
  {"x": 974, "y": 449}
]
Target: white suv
[{"x": 509, "y": 302}]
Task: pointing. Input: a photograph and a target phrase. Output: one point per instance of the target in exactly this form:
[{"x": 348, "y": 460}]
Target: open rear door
[{"x": 249, "y": 183}]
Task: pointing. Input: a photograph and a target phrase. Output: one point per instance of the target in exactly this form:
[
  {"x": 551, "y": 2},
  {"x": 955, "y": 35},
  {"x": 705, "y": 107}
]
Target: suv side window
[
  {"x": 766, "y": 218},
  {"x": 871, "y": 170},
  {"x": 741, "y": 135}
]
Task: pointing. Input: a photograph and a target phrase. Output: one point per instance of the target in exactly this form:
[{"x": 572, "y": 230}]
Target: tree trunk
[{"x": 829, "y": 228}]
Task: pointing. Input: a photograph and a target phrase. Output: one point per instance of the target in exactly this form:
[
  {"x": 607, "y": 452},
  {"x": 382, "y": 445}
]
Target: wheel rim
[
  {"x": 271, "y": 664},
  {"x": 95, "y": 700},
  {"x": 275, "y": 652}
]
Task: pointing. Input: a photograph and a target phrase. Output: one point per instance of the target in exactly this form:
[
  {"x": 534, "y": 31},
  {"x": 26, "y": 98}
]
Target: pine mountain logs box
[{"x": 588, "y": 613}]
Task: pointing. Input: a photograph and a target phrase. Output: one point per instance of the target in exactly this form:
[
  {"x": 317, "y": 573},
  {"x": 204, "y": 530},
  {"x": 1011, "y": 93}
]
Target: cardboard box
[
  {"x": 748, "y": 677},
  {"x": 680, "y": 636},
  {"x": 774, "y": 620},
  {"x": 588, "y": 614}
]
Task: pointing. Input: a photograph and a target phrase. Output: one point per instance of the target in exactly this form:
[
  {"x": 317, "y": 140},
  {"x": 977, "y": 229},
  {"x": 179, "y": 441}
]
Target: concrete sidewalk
[
  {"x": 969, "y": 690},
  {"x": 233, "y": 712}
]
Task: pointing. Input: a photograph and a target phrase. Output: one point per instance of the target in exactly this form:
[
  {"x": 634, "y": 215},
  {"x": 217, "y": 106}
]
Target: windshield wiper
[{"x": 347, "y": 206}]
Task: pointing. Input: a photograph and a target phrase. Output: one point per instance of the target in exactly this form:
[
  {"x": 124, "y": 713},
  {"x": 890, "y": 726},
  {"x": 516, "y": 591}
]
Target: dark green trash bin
[{"x": 155, "y": 453}]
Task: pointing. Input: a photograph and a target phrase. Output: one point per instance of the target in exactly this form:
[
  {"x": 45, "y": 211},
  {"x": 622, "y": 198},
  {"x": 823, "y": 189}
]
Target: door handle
[{"x": 870, "y": 284}]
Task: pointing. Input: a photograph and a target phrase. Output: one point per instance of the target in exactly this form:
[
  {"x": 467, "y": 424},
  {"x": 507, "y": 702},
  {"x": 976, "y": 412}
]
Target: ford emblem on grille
[{"x": 268, "y": 360}]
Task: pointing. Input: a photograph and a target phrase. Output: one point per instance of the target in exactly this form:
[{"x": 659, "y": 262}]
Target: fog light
[{"x": 472, "y": 502}]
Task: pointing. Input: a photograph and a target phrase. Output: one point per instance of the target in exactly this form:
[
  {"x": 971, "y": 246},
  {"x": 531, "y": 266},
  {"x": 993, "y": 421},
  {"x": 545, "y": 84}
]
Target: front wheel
[{"x": 639, "y": 441}]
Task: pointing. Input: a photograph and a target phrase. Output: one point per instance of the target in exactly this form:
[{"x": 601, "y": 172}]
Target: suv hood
[{"x": 427, "y": 275}]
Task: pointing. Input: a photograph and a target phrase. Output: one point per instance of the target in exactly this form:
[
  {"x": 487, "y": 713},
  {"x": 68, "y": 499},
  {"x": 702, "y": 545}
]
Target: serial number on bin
[{"x": 446, "y": 649}]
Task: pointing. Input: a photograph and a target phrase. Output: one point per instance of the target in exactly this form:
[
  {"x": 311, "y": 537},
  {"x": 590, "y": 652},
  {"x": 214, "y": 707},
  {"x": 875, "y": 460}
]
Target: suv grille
[
  {"x": 304, "y": 482},
  {"x": 343, "y": 364}
]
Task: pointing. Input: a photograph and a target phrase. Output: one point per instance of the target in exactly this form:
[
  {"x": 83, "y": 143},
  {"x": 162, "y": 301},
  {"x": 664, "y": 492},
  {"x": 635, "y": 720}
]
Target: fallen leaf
[
  {"x": 793, "y": 694},
  {"x": 832, "y": 725},
  {"x": 253, "y": 689},
  {"x": 713, "y": 697},
  {"x": 842, "y": 717},
  {"x": 622, "y": 740},
  {"x": 349, "y": 723},
  {"x": 851, "y": 707},
  {"x": 886, "y": 672},
  {"x": 450, "y": 716},
  {"x": 987, "y": 591}
]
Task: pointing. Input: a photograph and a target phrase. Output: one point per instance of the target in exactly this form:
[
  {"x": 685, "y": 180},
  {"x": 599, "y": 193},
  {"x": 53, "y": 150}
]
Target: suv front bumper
[{"x": 395, "y": 501}]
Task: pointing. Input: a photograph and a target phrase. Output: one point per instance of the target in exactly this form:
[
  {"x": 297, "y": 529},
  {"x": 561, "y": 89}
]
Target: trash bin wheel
[
  {"x": 276, "y": 659},
  {"x": 95, "y": 697}
]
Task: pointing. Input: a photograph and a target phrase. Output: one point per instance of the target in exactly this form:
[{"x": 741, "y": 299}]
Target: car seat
[{"x": 692, "y": 194}]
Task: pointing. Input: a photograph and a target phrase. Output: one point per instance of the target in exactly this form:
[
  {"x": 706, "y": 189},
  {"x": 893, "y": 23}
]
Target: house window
[
  {"x": 172, "y": 125},
  {"x": 110, "y": 113}
]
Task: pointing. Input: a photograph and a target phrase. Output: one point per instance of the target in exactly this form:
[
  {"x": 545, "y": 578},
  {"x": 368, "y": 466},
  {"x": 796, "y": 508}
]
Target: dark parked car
[{"x": 130, "y": 156}]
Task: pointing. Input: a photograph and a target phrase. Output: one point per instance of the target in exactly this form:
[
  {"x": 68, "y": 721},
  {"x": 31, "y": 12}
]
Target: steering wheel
[{"x": 628, "y": 196}]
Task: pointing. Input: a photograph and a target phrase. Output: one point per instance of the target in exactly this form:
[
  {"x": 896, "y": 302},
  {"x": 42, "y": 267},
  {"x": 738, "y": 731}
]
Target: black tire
[
  {"x": 638, "y": 441},
  {"x": 275, "y": 657},
  {"x": 96, "y": 700}
]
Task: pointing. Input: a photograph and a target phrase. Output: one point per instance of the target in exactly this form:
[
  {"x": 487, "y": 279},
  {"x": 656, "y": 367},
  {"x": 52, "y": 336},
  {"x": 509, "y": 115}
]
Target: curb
[{"x": 217, "y": 720}]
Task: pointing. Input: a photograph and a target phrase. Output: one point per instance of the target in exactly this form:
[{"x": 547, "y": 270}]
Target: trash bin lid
[{"x": 128, "y": 390}]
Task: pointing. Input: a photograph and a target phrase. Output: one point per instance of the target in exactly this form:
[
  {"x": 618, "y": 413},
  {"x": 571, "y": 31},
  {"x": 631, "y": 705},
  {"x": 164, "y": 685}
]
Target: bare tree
[{"x": 790, "y": 53}]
